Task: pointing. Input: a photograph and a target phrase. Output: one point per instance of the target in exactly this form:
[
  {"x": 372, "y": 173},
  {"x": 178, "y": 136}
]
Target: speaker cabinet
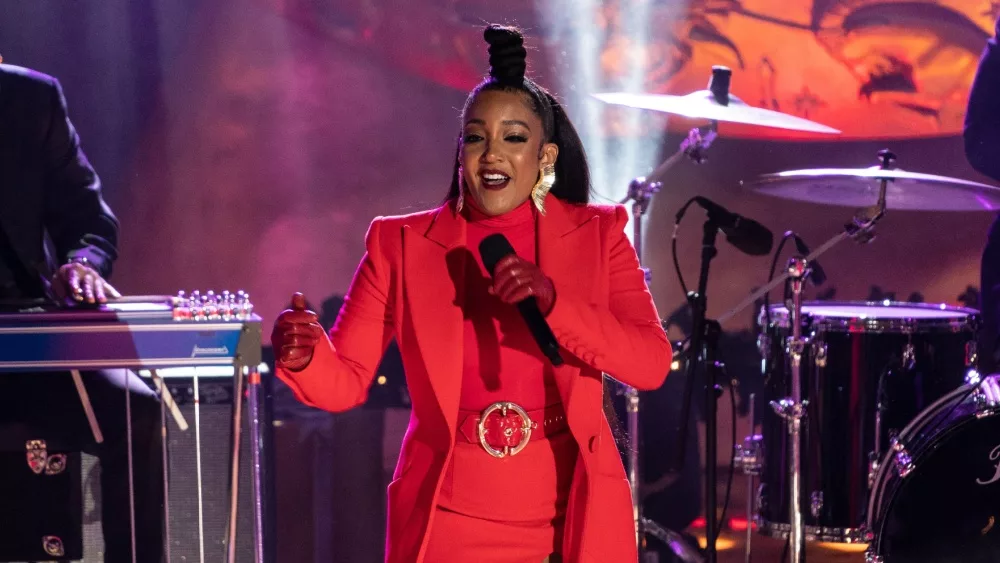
[{"x": 215, "y": 396}]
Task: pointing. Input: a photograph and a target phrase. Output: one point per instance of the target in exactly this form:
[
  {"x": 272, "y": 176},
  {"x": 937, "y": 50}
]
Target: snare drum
[
  {"x": 867, "y": 370},
  {"x": 936, "y": 496}
]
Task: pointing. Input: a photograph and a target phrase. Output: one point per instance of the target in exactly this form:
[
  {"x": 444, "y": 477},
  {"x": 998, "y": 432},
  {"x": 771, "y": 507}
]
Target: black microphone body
[
  {"x": 747, "y": 235},
  {"x": 492, "y": 249}
]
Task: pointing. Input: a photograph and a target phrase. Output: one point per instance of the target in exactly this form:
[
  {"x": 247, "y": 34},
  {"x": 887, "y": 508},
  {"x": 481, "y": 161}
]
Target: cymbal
[
  {"x": 859, "y": 187},
  {"x": 703, "y": 105}
]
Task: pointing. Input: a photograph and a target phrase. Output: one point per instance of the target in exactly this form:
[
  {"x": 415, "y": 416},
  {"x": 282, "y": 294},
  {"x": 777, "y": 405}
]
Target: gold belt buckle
[{"x": 526, "y": 426}]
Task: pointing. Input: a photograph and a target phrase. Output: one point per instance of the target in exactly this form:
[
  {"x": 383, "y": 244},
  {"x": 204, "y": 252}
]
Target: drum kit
[{"x": 879, "y": 429}]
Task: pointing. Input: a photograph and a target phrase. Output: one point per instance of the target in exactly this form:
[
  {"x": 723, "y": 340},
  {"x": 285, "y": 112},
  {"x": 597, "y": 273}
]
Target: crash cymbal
[
  {"x": 859, "y": 187},
  {"x": 703, "y": 104}
]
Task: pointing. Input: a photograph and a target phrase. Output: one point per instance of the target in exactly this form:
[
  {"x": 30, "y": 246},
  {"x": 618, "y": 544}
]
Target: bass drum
[{"x": 936, "y": 496}]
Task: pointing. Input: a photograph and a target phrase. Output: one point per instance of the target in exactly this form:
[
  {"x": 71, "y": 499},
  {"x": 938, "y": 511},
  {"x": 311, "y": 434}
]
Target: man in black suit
[
  {"x": 982, "y": 149},
  {"x": 58, "y": 240}
]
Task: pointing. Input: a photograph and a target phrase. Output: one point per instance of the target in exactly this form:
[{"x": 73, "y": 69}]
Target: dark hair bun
[{"x": 507, "y": 54}]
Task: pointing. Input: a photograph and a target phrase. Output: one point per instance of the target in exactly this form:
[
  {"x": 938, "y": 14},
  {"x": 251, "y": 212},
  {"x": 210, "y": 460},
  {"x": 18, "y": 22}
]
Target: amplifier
[{"x": 215, "y": 395}]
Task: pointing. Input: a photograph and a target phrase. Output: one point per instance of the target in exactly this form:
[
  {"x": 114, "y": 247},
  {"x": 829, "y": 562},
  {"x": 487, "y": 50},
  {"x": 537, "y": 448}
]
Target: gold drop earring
[
  {"x": 546, "y": 179},
  {"x": 461, "y": 190}
]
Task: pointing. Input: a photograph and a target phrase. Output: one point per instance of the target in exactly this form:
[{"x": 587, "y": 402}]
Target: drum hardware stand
[
  {"x": 749, "y": 457},
  {"x": 641, "y": 191},
  {"x": 793, "y": 408}
]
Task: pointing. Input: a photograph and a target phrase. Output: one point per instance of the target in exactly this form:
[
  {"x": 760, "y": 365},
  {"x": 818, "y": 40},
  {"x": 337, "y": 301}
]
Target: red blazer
[{"x": 603, "y": 318}]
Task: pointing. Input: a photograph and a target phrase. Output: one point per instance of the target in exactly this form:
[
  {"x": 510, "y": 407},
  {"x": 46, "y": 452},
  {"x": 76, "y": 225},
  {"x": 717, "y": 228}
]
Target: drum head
[
  {"x": 877, "y": 316},
  {"x": 948, "y": 508}
]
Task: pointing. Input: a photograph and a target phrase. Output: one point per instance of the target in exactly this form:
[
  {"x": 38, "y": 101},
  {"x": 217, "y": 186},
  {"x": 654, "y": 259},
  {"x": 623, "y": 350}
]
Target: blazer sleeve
[
  {"x": 982, "y": 117},
  {"x": 77, "y": 218},
  {"x": 342, "y": 368},
  {"x": 625, "y": 339}
]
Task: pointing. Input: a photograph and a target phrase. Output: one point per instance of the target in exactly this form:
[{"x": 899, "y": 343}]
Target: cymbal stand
[
  {"x": 640, "y": 192},
  {"x": 792, "y": 409}
]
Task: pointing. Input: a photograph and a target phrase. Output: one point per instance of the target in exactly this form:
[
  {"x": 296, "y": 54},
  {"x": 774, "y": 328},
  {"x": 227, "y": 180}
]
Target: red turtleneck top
[{"x": 502, "y": 362}]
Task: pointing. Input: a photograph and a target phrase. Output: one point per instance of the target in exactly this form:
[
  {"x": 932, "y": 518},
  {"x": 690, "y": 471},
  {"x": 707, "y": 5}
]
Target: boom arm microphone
[
  {"x": 492, "y": 249},
  {"x": 745, "y": 234}
]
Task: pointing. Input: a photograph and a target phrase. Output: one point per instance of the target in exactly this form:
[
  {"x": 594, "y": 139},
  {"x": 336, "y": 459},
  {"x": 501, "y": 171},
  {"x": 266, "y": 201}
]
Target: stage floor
[
  {"x": 732, "y": 542},
  {"x": 768, "y": 550}
]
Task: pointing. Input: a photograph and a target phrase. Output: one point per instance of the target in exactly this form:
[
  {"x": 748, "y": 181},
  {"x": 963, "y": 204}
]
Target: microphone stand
[{"x": 704, "y": 341}]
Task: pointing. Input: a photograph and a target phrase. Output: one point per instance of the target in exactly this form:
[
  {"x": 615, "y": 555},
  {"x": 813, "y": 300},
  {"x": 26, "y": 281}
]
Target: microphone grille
[{"x": 492, "y": 249}]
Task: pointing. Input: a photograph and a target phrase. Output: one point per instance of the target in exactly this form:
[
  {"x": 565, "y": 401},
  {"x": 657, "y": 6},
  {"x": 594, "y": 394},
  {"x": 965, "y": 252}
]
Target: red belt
[{"x": 504, "y": 428}]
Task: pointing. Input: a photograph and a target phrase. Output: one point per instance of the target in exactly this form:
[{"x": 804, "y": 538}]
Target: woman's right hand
[{"x": 295, "y": 335}]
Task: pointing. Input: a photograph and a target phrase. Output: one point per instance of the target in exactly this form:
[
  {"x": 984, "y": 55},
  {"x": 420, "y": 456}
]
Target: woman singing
[{"x": 507, "y": 458}]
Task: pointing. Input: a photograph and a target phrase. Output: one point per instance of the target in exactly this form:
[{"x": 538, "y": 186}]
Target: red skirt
[
  {"x": 457, "y": 537},
  {"x": 509, "y": 510}
]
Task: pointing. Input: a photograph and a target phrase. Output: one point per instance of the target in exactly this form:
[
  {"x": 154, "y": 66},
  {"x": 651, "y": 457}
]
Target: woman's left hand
[{"x": 515, "y": 279}]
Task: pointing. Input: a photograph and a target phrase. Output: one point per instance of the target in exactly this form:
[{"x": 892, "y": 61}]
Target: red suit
[{"x": 411, "y": 285}]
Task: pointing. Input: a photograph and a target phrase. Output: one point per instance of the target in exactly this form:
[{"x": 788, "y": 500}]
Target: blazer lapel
[
  {"x": 569, "y": 253},
  {"x": 434, "y": 263}
]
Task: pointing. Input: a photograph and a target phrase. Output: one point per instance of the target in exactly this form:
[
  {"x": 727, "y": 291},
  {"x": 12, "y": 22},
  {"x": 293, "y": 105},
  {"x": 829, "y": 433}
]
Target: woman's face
[{"x": 502, "y": 151}]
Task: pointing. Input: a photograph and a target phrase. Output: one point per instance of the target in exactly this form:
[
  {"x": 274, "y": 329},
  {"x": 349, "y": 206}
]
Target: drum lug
[
  {"x": 909, "y": 357},
  {"x": 749, "y": 456},
  {"x": 819, "y": 354},
  {"x": 973, "y": 377},
  {"x": 795, "y": 347},
  {"x": 987, "y": 396},
  {"x": 901, "y": 458},
  {"x": 873, "y": 465},
  {"x": 760, "y": 499},
  {"x": 816, "y": 503},
  {"x": 789, "y": 410},
  {"x": 971, "y": 353},
  {"x": 764, "y": 346}
]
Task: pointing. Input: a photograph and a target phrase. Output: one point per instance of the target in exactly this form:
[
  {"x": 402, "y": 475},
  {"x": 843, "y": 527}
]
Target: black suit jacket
[
  {"x": 982, "y": 149},
  {"x": 51, "y": 207},
  {"x": 982, "y": 116}
]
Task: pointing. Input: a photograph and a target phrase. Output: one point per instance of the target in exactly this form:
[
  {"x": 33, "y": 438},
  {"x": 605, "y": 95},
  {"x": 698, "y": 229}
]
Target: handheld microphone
[
  {"x": 745, "y": 234},
  {"x": 492, "y": 249}
]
